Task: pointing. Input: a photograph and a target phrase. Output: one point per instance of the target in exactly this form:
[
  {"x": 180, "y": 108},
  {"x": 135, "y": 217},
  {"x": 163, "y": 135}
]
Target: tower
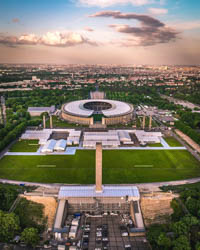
[
  {"x": 44, "y": 121},
  {"x": 3, "y": 110},
  {"x": 143, "y": 122},
  {"x": 51, "y": 121},
  {"x": 150, "y": 122},
  {"x": 99, "y": 168}
]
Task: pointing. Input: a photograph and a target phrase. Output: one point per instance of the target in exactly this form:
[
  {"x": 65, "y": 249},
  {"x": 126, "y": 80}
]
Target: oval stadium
[{"x": 108, "y": 112}]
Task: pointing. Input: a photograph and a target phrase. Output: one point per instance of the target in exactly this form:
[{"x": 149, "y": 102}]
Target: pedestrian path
[
  {"x": 68, "y": 151},
  {"x": 164, "y": 143},
  {"x": 147, "y": 148},
  {"x": 72, "y": 150},
  {"x": 22, "y": 153}
]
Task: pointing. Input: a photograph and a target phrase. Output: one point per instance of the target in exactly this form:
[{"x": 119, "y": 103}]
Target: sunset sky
[{"x": 100, "y": 31}]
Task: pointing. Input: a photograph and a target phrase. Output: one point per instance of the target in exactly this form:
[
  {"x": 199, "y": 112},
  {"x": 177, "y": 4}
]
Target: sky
[{"x": 158, "y": 32}]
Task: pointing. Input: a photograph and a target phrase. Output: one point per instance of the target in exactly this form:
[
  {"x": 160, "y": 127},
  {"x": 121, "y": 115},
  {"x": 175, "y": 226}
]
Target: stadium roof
[{"x": 77, "y": 108}]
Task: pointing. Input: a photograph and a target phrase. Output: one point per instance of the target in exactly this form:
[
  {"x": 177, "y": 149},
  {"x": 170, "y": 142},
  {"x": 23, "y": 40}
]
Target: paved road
[
  {"x": 180, "y": 102},
  {"x": 147, "y": 186}
]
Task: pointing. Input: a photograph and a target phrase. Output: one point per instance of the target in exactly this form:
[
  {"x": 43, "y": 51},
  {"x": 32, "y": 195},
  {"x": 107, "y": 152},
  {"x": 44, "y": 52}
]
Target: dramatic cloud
[
  {"x": 150, "y": 32},
  {"x": 106, "y": 3},
  {"x": 144, "y": 19},
  {"x": 15, "y": 20},
  {"x": 88, "y": 29},
  {"x": 158, "y": 11},
  {"x": 58, "y": 39}
]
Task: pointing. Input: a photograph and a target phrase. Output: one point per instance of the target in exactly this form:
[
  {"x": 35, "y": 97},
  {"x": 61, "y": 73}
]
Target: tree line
[{"x": 27, "y": 220}]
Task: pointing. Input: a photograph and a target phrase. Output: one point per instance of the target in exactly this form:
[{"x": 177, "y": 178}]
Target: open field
[
  {"x": 172, "y": 142},
  {"x": 25, "y": 146},
  {"x": 67, "y": 168},
  {"x": 119, "y": 166},
  {"x": 164, "y": 165}
]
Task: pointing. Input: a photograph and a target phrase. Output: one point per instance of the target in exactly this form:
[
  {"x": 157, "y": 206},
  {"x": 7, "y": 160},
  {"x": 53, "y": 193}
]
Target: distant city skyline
[{"x": 100, "y": 31}]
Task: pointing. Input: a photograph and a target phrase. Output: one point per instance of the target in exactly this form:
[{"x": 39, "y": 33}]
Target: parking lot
[{"x": 108, "y": 232}]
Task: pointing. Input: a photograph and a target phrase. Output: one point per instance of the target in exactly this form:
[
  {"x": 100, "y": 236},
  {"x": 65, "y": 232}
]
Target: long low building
[
  {"x": 109, "y": 111},
  {"x": 37, "y": 111},
  {"x": 44, "y": 135},
  {"x": 148, "y": 137},
  {"x": 109, "y": 139}
]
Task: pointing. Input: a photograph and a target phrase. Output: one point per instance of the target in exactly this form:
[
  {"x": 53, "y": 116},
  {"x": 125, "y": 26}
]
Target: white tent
[
  {"x": 124, "y": 136},
  {"x": 49, "y": 146},
  {"x": 60, "y": 145},
  {"x": 69, "y": 142}
]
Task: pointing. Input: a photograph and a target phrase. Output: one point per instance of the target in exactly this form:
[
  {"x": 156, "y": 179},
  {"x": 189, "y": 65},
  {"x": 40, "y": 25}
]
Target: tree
[
  {"x": 180, "y": 228},
  {"x": 164, "y": 241},
  {"x": 178, "y": 211},
  {"x": 190, "y": 220},
  {"x": 182, "y": 243},
  {"x": 30, "y": 236},
  {"x": 153, "y": 234},
  {"x": 197, "y": 247},
  {"x": 9, "y": 226},
  {"x": 193, "y": 205}
]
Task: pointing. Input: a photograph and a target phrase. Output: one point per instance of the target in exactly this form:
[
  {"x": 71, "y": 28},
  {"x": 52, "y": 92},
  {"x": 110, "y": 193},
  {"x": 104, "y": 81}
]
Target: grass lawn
[
  {"x": 50, "y": 168},
  {"x": 119, "y": 166},
  {"x": 154, "y": 145},
  {"x": 25, "y": 146},
  {"x": 137, "y": 166},
  {"x": 172, "y": 142}
]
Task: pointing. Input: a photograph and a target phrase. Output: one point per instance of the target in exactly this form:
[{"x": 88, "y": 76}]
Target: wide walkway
[
  {"x": 68, "y": 151},
  {"x": 154, "y": 186},
  {"x": 72, "y": 150},
  {"x": 164, "y": 143}
]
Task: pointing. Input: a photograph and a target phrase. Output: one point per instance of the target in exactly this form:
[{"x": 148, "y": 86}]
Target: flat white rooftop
[{"x": 108, "y": 191}]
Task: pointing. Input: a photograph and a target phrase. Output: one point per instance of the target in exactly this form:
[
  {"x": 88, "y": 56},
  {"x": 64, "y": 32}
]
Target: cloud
[
  {"x": 88, "y": 29},
  {"x": 63, "y": 39},
  {"x": 150, "y": 32},
  {"x": 107, "y": 3},
  {"x": 146, "y": 36},
  {"x": 15, "y": 20},
  {"x": 30, "y": 39},
  {"x": 58, "y": 39},
  {"x": 144, "y": 19},
  {"x": 158, "y": 11}
]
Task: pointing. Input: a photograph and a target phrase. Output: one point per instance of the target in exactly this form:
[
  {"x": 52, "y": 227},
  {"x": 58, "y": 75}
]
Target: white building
[
  {"x": 49, "y": 146},
  {"x": 60, "y": 145},
  {"x": 37, "y": 111},
  {"x": 148, "y": 137}
]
